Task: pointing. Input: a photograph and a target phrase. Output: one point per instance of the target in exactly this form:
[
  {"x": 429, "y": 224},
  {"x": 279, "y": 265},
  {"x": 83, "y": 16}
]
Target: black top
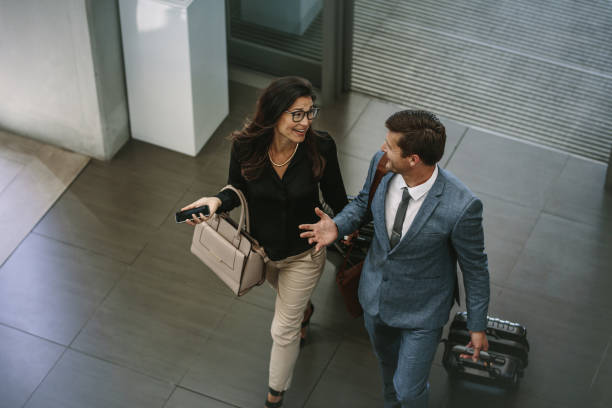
[{"x": 277, "y": 206}]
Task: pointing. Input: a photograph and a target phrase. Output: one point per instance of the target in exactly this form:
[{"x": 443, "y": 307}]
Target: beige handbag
[{"x": 229, "y": 251}]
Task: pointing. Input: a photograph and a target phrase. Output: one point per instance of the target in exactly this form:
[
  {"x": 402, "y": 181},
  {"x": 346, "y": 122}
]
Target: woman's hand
[
  {"x": 322, "y": 233},
  {"x": 213, "y": 204}
]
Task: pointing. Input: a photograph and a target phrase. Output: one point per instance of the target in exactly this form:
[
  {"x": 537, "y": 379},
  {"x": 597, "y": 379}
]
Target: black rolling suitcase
[{"x": 503, "y": 365}]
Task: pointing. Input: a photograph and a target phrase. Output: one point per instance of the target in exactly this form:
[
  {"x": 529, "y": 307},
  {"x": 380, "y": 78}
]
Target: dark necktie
[{"x": 396, "y": 234}]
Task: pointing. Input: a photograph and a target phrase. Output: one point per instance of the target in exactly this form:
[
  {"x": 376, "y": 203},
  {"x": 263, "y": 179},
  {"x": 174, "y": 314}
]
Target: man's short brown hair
[{"x": 422, "y": 134}]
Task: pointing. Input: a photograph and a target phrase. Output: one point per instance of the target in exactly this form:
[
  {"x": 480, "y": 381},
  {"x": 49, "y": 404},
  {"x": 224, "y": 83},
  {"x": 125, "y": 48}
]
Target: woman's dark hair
[
  {"x": 253, "y": 141},
  {"x": 422, "y": 134}
]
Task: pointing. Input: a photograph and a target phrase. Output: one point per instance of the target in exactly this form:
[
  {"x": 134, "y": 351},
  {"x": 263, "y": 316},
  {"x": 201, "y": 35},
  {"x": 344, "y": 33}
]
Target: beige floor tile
[
  {"x": 8, "y": 170},
  {"x": 45, "y": 173}
]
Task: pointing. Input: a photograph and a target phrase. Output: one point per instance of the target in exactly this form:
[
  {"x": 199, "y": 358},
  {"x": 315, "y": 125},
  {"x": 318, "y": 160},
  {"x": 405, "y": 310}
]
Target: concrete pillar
[{"x": 61, "y": 74}]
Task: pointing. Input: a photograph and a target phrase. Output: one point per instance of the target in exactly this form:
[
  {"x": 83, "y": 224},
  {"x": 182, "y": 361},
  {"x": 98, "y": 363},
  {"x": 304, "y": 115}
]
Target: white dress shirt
[{"x": 394, "y": 197}]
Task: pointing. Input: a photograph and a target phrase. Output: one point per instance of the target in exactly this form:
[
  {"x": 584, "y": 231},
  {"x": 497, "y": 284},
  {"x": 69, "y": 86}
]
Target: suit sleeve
[
  {"x": 467, "y": 238},
  {"x": 356, "y": 212},
  {"x": 229, "y": 199}
]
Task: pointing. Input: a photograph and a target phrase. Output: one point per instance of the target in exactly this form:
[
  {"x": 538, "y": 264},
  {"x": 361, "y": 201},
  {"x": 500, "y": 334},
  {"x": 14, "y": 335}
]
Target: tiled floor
[
  {"x": 32, "y": 177},
  {"x": 102, "y": 305}
]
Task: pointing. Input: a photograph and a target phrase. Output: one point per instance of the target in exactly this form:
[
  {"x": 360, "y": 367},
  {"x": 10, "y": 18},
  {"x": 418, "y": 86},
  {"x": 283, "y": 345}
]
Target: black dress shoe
[{"x": 277, "y": 404}]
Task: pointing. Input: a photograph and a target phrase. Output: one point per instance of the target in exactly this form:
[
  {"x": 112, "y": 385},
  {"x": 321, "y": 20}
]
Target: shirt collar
[{"x": 419, "y": 191}]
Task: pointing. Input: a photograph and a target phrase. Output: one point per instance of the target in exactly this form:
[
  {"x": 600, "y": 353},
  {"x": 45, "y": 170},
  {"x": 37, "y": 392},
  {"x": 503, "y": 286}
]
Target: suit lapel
[
  {"x": 429, "y": 205},
  {"x": 378, "y": 210}
]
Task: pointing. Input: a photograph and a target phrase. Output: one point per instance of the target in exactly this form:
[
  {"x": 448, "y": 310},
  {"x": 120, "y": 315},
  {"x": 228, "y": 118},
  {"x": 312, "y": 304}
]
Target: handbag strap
[
  {"x": 244, "y": 209},
  {"x": 245, "y": 220}
]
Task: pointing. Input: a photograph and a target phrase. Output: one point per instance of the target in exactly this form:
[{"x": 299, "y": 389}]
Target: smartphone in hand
[{"x": 182, "y": 216}]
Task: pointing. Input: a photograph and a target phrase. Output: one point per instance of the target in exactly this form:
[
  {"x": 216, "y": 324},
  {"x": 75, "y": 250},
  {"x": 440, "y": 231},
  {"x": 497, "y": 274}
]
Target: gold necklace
[{"x": 288, "y": 160}]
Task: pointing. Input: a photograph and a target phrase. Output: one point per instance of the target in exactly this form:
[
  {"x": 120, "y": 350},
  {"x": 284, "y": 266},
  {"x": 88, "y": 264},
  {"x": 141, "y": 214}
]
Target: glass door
[{"x": 308, "y": 38}]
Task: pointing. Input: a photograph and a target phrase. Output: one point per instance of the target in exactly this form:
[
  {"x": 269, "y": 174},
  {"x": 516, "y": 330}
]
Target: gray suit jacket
[{"x": 412, "y": 285}]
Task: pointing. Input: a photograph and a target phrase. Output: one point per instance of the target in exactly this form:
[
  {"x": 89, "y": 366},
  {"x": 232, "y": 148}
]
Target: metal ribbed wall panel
[{"x": 519, "y": 68}]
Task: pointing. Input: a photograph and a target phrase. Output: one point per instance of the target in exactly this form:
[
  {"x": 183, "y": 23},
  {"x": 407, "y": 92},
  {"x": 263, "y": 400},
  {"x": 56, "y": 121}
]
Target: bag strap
[
  {"x": 244, "y": 210},
  {"x": 245, "y": 220},
  {"x": 381, "y": 170}
]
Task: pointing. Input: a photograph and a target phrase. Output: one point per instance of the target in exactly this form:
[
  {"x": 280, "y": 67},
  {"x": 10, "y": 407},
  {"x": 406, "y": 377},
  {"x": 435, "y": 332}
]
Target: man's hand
[
  {"x": 478, "y": 341},
  {"x": 322, "y": 233}
]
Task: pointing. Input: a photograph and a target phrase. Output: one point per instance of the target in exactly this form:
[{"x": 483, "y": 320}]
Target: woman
[{"x": 279, "y": 162}]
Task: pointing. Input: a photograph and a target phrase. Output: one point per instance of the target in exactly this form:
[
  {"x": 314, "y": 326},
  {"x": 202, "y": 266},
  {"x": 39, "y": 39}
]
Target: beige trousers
[{"x": 294, "y": 279}]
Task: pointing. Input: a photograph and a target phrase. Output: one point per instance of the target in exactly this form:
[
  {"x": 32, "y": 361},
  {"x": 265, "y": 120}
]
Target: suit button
[{"x": 385, "y": 279}]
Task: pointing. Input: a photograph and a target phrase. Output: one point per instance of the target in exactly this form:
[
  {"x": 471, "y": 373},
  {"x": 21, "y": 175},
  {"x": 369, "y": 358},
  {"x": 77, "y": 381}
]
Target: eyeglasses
[{"x": 298, "y": 115}]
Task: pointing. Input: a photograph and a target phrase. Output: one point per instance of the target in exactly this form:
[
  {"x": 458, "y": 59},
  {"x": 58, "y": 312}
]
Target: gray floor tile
[
  {"x": 215, "y": 165},
  {"x": 463, "y": 394},
  {"x": 579, "y": 194},
  {"x": 232, "y": 369},
  {"x": 201, "y": 188},
  {"x": 331, "y": 312},
  {"x": 352, "y": 379},
  {"x": 368, "y": 134},
  {"x": 55, "y": 292},
  {"x": 82, "y": 381},
  {"x": 156, "y": 320},
  {"x": 455, "y": 132},
  {"x": 507, "y": 169},
  {"x": 84, "y": 225},
  {"x": 507, "y": 227},
  {"x": 24, "y": 362},
  {"x": 502, "y": 255},
  {"x": 145, "y": 165},
  {"x": 338, "y": 119},
  {"x": 561, "y": 368},
  {"x": 600, "y": 392},
  {"x": 439, "y": 384},
  {"x": 555, "y": 319},
  {"x": 263, "y": 296},
  {"x": 182, "y": 398},
  {"x": 219, "y": 145},
  {"x": 566, "y": 260},
  {"x": 169, "y": 251},
  {"x": 242, "y": 100},
  {"x": 114, "y": 206},
  {"x": 236, "y": 371},
  {"x": 126, "y": 198},
  {"x": 354, "y": 171}
]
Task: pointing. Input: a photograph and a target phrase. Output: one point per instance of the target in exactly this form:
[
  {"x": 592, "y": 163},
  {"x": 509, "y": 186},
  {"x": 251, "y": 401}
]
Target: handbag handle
[
  {"x": 244, "y": 213},
  {"x": 244, "y": 210}
]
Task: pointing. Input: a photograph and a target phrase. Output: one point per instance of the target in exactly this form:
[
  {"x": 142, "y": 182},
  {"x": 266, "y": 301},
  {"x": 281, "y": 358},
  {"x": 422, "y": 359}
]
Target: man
[{"x": 425, "y": 220}]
